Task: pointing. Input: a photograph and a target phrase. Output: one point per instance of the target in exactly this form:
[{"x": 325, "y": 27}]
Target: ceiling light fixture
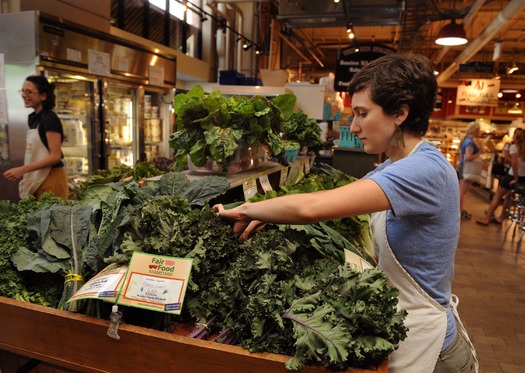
[
  {"x": 512, "y": 68},
  {"x": 350, "y": 30},
  {"x": 516, "y": 109},
  {"x": 451, "y": 35}
]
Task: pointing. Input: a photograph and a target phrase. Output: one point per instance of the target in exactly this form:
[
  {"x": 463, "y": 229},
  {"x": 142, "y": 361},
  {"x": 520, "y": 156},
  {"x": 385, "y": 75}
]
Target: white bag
[{"x": 472, "y": 170}]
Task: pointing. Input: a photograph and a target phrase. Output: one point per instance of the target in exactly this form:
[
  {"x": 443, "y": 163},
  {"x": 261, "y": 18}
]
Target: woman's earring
[{"x": 397, "y": 139}]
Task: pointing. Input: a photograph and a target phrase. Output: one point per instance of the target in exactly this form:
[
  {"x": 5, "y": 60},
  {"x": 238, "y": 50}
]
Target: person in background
[
  {"x": 43, "y": 169},
  {"x": 515, "y": 175},
  {"x": 414, "y": 200},
  {"x": 469, "y": 152}
]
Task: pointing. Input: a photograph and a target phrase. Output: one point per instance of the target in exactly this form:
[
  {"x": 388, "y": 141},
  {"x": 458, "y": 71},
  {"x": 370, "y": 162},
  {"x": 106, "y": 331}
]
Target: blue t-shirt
[
  {"x": 468, "y": 141},
  {"x": 423, "y": 224}
]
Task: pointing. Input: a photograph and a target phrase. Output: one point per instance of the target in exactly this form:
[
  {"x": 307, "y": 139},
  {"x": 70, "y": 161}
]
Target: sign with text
[
  {"x": 350, "y": 62},
  {"x": 153, "y": 282},
  {"x": 104, "y": 285},
  {"x": 156, "y": 282},
  {"x": 478, "y": 92}
]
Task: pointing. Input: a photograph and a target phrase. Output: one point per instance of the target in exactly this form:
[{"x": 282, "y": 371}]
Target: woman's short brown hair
[{"x": 395, "y": 80}]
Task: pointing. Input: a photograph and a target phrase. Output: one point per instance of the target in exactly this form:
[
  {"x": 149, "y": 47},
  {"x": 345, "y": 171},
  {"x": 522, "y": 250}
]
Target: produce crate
[{"x": 78, "y": 342}]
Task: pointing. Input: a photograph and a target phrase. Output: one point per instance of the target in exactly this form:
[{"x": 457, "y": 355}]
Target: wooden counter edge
[{"x": 79, "y": 342}]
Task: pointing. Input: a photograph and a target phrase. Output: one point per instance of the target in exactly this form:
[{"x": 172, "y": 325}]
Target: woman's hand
[
  {"x": 15, "y": 173},
  {"x": 242, "y": 225}
]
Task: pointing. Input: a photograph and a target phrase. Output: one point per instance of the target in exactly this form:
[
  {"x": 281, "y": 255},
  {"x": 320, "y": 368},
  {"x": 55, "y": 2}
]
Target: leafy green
[
  {"x": 304, "y": 130},
  {"x": 212, "y": 125},
  {"x": 285, "y": 290},
  {"x": 44, "y": 289}
]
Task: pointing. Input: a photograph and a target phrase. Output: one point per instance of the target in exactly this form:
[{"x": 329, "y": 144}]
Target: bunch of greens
[
  {"x": 43, "y": 289},
  {"x": 355, "y": 229},
  {"x": 212, "y": 125},
  {"x": 73, "y": 240},
  {"x": 285, "y": 290},
  {"x": 141, "y": 171},
  {"x": 303, "y": 130},
  {"x": 308, "y": 304}
]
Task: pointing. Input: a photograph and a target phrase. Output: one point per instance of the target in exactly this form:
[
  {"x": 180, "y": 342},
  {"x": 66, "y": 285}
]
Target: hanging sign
[
  {"x": 476, "y": 67},
  {"x": 350, "y": 62},
  {"x": 478, "y": 92}
]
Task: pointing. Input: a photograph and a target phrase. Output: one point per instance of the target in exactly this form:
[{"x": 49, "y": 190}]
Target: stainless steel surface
[{"x": 59, "y": 41}]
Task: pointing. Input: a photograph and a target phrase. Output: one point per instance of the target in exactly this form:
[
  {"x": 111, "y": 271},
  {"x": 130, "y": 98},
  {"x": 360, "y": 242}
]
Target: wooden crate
[{"x": 79, "y": 343}]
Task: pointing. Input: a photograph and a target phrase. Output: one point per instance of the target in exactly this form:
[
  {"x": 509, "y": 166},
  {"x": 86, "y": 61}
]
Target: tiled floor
[{"x": 490, "y": 283}]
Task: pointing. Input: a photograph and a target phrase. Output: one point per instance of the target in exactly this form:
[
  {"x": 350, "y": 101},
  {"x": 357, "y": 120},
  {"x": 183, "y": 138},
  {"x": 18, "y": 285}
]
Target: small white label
[
  {"x": 265, "y": 183},
  {"x": 249, "y": 187}
]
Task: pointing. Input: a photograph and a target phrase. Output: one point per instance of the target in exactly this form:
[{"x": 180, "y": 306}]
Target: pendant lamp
[{"x": 451, "y": 35}]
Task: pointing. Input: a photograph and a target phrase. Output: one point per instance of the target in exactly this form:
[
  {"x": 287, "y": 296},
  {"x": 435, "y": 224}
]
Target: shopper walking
[
  {"x": 43, "y": 169},
  {"x": 515, "y": 175},
  {"x": 414, "y": 200},
  {"x": 470, "y": 152}
]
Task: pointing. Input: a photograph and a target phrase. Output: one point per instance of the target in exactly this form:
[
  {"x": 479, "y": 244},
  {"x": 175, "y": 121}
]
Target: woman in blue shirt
[{"x": 469, "y": 152}]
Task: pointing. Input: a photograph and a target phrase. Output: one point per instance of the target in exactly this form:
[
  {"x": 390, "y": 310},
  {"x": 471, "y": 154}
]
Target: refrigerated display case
[
  {"x": 121, "y": 124},
  {"x": 101, "y": 81},
  {"x": 75, "y": 108},
  {"x": 157, "y": 120}
]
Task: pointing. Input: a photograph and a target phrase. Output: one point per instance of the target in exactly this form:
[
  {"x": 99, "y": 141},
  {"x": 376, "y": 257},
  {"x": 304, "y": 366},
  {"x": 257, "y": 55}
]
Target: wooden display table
[{"x": 78, "y": 342}]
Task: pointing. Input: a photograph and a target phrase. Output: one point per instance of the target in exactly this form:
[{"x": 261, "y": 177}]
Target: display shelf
[
  {"x": 267, "y": 168},
  {"x": 80, "y": 343}
]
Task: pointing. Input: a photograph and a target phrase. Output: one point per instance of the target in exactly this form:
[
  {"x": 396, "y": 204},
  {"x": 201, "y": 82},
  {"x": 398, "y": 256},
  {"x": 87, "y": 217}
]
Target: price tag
[
  {"x": 156, "y": 282},
  {"x": 295, "y": 168},
  {"x": 284, "y": 176},
  {"x": 356, "y": 262},
  {"x": 104, "y": 285},
  {"x": 249, "y": 186},
  {"x": 306, "y": 165},
  {"x": 265, "y": 183}
]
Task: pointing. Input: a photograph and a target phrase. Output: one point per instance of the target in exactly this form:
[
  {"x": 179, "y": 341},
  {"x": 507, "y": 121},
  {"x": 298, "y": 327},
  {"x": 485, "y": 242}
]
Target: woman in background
[
  {"x": 43, "y": 169},
  {"x": 515, "y": 175},
  {"x": 470, "y": 151}
]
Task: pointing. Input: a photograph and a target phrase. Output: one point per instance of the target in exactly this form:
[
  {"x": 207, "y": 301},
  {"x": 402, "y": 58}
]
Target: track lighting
[
  {"x": 513, "y": 68},
  {"x": 246, "y": 45},
  {"x": 350, "y": 30}
]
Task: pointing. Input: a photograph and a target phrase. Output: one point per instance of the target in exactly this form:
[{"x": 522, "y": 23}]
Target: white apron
[
  {"x": 35, "y": 151},
  {"x": 426, "y": 319}
]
